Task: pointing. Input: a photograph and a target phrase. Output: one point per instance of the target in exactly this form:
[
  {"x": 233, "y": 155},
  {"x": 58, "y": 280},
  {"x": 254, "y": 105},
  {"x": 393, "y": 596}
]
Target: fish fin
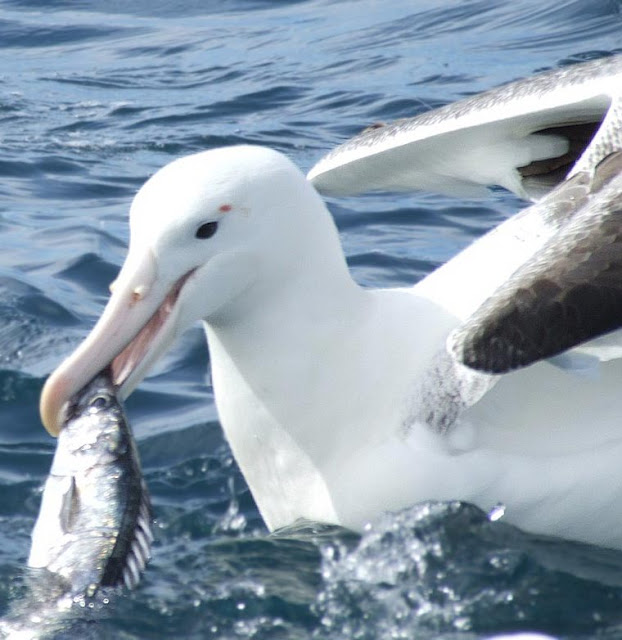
[
  {"x": 140, "y": 548},
  {"x": 70, "y": 506},
  {"x": 127, "y": 568}
]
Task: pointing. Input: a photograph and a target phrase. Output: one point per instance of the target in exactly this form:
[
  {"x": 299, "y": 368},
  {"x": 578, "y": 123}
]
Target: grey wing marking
[{"x": 568, "y": 293}]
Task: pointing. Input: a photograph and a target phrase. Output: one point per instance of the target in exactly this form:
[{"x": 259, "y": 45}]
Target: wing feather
[
  {"x": 569, "y": 292},
  {"x": 524, "y": 136}
]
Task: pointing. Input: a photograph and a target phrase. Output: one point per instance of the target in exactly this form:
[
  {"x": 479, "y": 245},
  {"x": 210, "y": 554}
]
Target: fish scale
[{"x": 93, "y": 527}]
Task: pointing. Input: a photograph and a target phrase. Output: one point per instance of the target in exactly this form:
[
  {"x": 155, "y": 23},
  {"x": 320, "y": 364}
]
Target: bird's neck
[
  {"x": 304, "y": 365},
  {"x": 272, "y": 371},
  {"x": 280, "y": 336}
]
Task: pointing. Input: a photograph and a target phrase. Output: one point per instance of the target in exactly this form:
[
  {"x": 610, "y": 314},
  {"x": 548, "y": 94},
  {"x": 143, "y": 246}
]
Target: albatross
[{"x": 495, "y": 380}]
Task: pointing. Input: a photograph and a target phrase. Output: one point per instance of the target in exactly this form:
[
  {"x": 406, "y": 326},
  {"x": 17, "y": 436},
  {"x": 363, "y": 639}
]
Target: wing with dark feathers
[{"x": 568, "y": 293}]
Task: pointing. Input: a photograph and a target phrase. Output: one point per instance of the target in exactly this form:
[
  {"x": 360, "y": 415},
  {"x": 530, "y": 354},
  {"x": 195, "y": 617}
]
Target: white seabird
[{"x": 341, "y": 402}]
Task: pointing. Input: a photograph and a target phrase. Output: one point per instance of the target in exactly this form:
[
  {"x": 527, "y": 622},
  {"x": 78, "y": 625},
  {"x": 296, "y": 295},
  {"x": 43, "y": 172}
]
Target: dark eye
[
  {"x": 99, "y": 403},
  {"x": 206, "y": 230}
]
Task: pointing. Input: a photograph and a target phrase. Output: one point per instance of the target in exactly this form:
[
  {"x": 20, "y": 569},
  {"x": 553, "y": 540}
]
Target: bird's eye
[{"x": 206, "y": 230}]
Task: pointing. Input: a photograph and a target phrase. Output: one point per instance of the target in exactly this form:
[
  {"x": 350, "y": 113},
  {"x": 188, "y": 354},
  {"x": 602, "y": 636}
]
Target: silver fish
[{"x": 93, "y": 528}]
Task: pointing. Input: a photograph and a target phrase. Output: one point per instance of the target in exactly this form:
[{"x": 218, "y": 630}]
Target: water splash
[{"x": 446, "y": 568}]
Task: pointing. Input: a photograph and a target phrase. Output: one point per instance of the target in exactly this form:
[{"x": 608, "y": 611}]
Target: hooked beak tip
[
  {"x": 51, "y": 408},
  {"x": 121, "y": 320}
]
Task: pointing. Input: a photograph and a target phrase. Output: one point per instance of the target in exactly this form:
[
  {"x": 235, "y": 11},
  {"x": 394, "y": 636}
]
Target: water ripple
[
  {"x": 94, "y": 97},
  {"x": 22, "y": 35}
]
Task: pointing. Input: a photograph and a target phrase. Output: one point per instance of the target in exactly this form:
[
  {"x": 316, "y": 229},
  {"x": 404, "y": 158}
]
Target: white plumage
[{"x": 339, "y": 402}]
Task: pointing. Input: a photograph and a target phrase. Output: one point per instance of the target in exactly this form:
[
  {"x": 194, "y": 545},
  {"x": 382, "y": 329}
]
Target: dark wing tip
[
  {"x": 530, "y": 325},
  {"x": 568, "y": 293},
  {"x": 517, "y": 335}
]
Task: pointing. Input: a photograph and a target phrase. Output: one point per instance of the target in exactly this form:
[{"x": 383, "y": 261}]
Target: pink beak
[{"x": 139, "y": 309}]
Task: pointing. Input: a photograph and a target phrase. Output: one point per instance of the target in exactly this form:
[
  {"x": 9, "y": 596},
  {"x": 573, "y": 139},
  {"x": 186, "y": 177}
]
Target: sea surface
[{"x": 94, "y": 97}]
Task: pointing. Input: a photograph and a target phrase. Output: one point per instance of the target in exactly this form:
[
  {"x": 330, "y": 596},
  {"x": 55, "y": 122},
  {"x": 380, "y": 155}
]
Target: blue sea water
[{"x": 94, "y": 97}]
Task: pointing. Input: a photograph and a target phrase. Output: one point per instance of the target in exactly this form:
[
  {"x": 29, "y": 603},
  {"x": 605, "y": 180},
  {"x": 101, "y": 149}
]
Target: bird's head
[{"x": 204, "y": 230}]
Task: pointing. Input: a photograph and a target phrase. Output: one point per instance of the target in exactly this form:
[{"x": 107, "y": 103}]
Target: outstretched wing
[
  {"x": 568, "y": 292},
  {"x": 525, "y": 136},
  {"x": 550, "y": 278}
]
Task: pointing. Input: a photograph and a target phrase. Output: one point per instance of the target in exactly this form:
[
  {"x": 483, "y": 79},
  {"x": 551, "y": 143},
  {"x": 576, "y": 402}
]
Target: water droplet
[{"x": 497, "y": 512}]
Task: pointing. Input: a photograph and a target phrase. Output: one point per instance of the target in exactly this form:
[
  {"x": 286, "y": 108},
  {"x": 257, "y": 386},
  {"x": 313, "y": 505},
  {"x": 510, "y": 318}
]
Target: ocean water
[{"x": 94, "y": 97}]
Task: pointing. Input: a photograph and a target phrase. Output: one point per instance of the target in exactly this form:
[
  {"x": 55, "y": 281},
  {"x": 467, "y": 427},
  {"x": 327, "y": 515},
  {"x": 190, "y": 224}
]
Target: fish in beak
[{"x": 136, "y": 327}]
